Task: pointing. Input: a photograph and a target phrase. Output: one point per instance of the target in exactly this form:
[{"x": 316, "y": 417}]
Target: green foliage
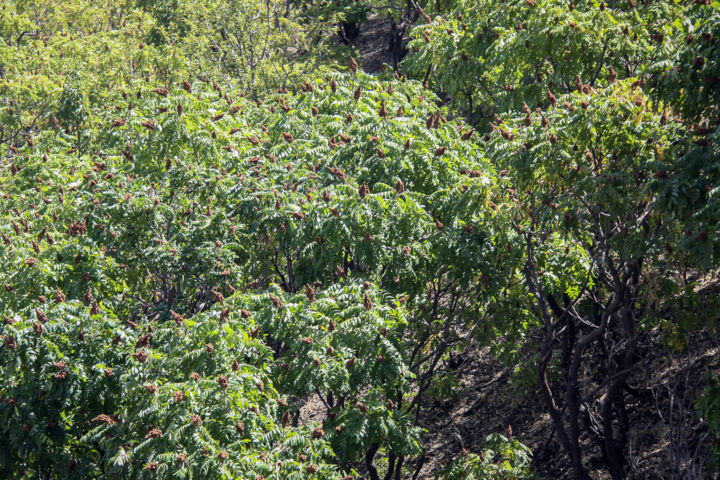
[
  {"x": 690, "y": 81},
  {"x": 606, "y": 179},
  {"x": 349, "y": 11},
  {"x": 298, "y": 230},
  {"x": 502, "y": 458},
  {"x": 607, "y": 154},
  {"x": 176, "y": 214},
  {"x": 94, "y": 395},
  {"x": 86, "y": 43},
  {"x": 689, "y": 84},
  {"x": 492, "y": 58},
  {"x": 259, "y": 44}
]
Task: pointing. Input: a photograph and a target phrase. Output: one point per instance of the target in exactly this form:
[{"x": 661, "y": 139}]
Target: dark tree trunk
[
  {"x": 613, "y": 450},
  {"x": 396, "y": 47},
  {"x": 370, "y": 461},
  {"x": 398, "y": 467},
  {"x": 568, "y": 339},
  {"x": 348, "y": 32},
  {"x": 391, "y": 467}
]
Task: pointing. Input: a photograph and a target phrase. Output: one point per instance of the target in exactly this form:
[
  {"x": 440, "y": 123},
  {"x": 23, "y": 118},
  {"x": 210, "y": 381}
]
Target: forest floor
[
  {"x": 489, "y": 402},
  {"x": 373, "y": 43}
]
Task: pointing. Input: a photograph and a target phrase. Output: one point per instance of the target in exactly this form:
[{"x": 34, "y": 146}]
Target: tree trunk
[
  {"x": 391, "y": 467},
  {"x": 614, "y": 463},
  {"x": 370, "y": 461},
  {"x": 614, "y": 396},
  {"x": 398, "y": 467},
  {"x": 396, "y": 47},
  {"x": 550, "y": 402},
  {"x": 348, "y": 32}
]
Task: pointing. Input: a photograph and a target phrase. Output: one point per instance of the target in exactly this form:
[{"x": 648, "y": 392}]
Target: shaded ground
[
  {"x": 373, "y": 43},
  {"x": 488, "y": 404}
]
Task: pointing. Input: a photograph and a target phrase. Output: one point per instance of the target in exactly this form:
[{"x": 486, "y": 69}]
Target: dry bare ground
[
  {"x": 488, "y": 402},
  {"x": 489, "y": 405},
  {"x": 373, "y": 43}
]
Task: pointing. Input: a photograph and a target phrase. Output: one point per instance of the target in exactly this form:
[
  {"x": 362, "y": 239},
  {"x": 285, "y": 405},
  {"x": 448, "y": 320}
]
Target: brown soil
[
  {"x": 373, "y": 43},
  {"x": 488, "y": 405}
]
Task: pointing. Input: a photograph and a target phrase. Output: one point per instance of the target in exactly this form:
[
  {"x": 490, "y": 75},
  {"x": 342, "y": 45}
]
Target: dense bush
[
  {"x": 492, "y": 60},
  {"x": 602, "y": 121},
  {"x": 90, "y": 394},
  {"x": 189, "y": 203},
  {"x": 500, "y": 459},
  {"x": 186, "y": 261}
]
